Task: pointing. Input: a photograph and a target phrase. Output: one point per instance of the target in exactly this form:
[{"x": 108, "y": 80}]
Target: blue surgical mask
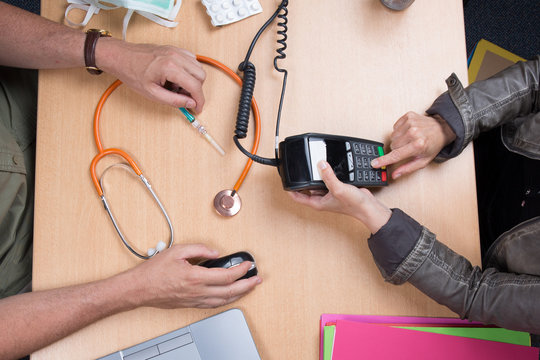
[{"x": 162, "y": 12}]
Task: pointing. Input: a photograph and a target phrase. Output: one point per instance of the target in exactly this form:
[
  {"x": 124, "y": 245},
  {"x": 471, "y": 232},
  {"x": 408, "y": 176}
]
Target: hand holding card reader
[{"x": 349, "y": 157}]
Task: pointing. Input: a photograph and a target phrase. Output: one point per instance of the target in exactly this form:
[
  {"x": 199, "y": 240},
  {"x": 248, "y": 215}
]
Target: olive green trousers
[{"x": 18, "y": 107}]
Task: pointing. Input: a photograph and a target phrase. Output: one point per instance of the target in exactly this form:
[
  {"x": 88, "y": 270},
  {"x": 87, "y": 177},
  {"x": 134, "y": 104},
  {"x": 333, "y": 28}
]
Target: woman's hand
[
  {"x": 346, "y": 199},
  {"x": 416, "y": 139}
]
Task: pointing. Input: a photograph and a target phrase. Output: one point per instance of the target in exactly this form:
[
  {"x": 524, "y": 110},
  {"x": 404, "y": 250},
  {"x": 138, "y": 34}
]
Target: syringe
[{"x": 197, "y": 125}]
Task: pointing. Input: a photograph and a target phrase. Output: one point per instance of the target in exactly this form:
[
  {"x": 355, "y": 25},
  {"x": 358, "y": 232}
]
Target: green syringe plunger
[{"x": 200, "y": 128}]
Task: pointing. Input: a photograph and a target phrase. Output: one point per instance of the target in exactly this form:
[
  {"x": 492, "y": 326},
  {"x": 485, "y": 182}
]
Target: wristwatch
[{"x": 92, "y": 36}]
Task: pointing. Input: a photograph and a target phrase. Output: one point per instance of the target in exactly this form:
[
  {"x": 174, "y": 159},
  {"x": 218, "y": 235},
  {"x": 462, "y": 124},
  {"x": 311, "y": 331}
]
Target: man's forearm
[
  {"x": 31, "y": 41},
  {"x": 31, "y": 321}
]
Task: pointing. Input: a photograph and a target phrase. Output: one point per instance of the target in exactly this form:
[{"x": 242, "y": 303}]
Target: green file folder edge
[{"x": 492, "y": 334}]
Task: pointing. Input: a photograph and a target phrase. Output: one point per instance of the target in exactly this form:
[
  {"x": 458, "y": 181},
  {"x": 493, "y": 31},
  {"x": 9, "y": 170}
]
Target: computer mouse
[{"x": 232, "y": 260}]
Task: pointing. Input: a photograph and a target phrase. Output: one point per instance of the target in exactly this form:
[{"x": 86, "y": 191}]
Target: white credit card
[{"x": 317, "y": 152}]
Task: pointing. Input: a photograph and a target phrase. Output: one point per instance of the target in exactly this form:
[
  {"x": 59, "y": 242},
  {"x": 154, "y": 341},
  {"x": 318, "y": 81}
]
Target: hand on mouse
[
  {"x": 346, "y": 199},
  {"x": 417, "y": 139},
  {"x": 168, "y": 280}
]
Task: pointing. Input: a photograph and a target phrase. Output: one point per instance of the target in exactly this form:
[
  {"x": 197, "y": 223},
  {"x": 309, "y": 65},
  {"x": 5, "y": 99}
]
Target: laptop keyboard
[
  {"x": 179, "y": 347},
  {"x": 223, "y": 336}
]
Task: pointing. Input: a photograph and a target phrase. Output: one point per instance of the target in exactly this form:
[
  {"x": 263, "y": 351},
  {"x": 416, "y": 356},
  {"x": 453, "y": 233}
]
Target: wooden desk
[{"x": 355, "y": 68}]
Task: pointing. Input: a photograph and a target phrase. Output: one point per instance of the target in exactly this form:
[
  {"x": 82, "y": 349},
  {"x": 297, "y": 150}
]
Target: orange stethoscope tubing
[
  {"x": 113, "y": 151},
  {"x": 104, "y": 152}
]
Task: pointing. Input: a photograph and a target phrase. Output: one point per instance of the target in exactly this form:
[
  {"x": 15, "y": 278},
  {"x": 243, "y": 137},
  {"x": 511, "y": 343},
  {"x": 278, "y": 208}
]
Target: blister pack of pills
[{"x": 223, "y": 12}]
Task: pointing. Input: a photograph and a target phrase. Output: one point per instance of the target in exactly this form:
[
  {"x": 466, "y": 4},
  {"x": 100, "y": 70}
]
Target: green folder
[
  {"x": 482, "y": 333},
  {"x": 328, "y": 344}
]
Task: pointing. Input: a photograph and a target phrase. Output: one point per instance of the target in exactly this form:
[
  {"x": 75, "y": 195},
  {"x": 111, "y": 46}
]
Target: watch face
[{"x": 100, "y": 31}]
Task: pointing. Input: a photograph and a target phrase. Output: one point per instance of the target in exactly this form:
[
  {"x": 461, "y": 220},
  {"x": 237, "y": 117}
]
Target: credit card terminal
[{"x": 349, "y": 157}]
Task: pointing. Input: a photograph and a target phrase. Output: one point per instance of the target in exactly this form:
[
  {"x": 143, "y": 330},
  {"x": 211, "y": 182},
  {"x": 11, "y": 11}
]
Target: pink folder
[
  {"x": 356, "y": 340},
  {"x": 375, "y": 319}
]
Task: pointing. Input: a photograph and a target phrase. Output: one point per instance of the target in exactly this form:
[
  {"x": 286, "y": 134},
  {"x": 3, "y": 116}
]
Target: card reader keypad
[
  {"x": 349, "y": 157},
  {"x": 359, "y": 157}
]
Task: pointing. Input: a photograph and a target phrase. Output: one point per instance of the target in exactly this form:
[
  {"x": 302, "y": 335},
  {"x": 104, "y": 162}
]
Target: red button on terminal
[{"x": 383, "y": 176}]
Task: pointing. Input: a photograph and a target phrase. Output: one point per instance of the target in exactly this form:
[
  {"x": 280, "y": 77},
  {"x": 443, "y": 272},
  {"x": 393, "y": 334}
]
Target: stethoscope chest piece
[{"x": 227, "y": 203}]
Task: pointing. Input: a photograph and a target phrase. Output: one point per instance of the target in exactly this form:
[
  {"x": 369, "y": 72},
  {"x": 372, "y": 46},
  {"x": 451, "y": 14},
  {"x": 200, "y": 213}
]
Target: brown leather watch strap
[{"x": 92, "y": 37}]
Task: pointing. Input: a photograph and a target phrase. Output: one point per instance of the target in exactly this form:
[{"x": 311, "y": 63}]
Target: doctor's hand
[
  {"x": 416, "y": 140},
  {"x": 146, "y": 67},
  {"x": 346, "y": 199},
  {"x": 168, "y": 280}
]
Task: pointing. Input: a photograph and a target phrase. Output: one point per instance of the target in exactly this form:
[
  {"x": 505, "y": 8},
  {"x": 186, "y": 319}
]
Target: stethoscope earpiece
[{"x": 159, "y": 248}]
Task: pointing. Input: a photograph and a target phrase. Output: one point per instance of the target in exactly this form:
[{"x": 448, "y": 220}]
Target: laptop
[{"x": 224, "y": 336}]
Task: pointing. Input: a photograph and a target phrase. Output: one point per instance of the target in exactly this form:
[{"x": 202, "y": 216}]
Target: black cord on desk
[{"x": 248, "y": 86}]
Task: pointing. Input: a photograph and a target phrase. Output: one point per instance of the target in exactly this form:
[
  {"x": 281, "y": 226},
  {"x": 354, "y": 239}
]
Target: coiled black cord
[
  {"x": 244, "y": 107},
  {"x": 248, "y": 86},
  {"x": 281, "y": 55}
]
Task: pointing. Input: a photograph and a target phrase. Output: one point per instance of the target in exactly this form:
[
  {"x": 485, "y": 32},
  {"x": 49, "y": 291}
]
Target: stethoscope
[
  {"x": 132, "y": 167},
  {"x": 227, "y": 202}
]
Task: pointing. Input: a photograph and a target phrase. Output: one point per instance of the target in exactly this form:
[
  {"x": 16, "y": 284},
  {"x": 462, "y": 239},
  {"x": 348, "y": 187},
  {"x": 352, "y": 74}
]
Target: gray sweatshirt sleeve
[
  {"x": 445, "y": 108},
  {"x": 484, "y": 105},
  {"x": 491, "y": 297}
]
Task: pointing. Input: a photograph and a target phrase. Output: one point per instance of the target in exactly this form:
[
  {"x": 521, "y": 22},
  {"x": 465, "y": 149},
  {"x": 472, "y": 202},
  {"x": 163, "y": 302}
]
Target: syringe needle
[
  {"x": 197, "y": 125},
  {"x": 211, "y": 140}
]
